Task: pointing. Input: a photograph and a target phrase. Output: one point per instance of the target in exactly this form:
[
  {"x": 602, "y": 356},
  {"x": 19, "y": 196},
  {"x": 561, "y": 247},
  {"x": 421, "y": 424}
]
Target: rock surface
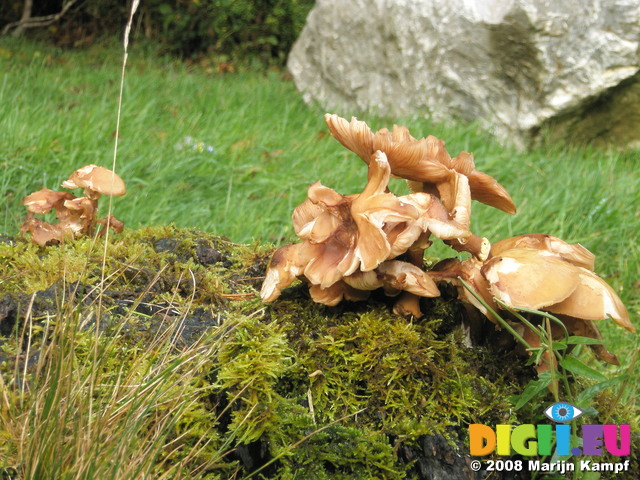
[{"x": 518, "y": 67}]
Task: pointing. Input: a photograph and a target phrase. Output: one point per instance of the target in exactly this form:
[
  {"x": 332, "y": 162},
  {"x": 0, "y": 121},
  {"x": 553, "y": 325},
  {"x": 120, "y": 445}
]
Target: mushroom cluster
[
  {"x": 353, "y": 244},
  {"x": 537, "y": 272},
  {"x": 76, "y": 215},
  {"x": 349, "y": 243},
  {"x": 357, "y": 243}
]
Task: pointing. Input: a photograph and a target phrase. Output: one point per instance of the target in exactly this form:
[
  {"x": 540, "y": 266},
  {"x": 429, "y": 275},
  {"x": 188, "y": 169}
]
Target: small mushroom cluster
[
  {"x": 538, "y": 272},
  {"x": 349, "y": 243},
  {"x": 356, "y": 243},
  {"x": 76, "y": 215}
]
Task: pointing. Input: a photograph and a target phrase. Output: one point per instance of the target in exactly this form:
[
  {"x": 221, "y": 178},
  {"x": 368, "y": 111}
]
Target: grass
[
  {"x": 58, "y": 113},
  {"x": 114, "y": 400},
  {"x": 58, "y": 109},
  {"x": 176, "y": 366}
]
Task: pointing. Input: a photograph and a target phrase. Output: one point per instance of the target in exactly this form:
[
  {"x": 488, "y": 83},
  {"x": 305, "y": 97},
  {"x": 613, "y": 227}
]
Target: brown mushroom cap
[
  {"x": 528, "y": 278},
  {"x": 96, "y": 179},
  {"x": 44, "y": 200},
  {"x": 372, "y": 209},
  {"x": 79, "y": 215},
  {"x": 44, "y": 233},
  {"x": 408, "y": 304},
  {"x": 82, "y": 206},
  {"x": 285, "y": 265},
  {"x": 305, "y": 216},
  {"x": 409, "y": 158},
  {"x": 334, "y": 294},
  {"x": 534, "y": 278},
  {"x": 321, "y": 213},
  {"x": 573, "y": 253},
  {"x": 593, "y": 299},
  {"x": 424, "y": 162},
  {"x": 404, "y": 276},
  {"x": 355, "y": 136},
  {"x": 329, "y": 261}
]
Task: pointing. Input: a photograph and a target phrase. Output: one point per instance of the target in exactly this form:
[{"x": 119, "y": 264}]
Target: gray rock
[{"x": 518, "y": 67}]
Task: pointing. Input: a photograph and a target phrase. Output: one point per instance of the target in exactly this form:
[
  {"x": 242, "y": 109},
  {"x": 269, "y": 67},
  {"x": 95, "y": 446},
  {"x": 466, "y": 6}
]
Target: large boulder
[{"x": 516, "y": 66}]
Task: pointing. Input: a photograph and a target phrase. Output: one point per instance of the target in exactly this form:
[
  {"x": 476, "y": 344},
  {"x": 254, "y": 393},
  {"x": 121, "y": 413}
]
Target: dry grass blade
[{"x": 82, "y": 415}]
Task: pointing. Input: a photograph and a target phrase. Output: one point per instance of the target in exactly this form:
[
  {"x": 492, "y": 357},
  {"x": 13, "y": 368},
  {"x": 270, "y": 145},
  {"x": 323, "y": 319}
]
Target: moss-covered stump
[{"x": 291, "y": 389}]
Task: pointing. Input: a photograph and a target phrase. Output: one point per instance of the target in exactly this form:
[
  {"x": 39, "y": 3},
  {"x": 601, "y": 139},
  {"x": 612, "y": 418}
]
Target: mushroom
[
  {"x": 548, "y": 277},
  {"x": 540, "y": 279},
  {"x": 337, "y": 292},
  {"x": 428, "y": 168},
  {"x": 393, "y": 276},
  {"x": 96, "y": 181},
  {"x": 403, "y": 276},
  {"x": 593, "y": 299},
  {"x": 44, "y": 233},
  {"x": 343, "y": 234},
  {"x": 528, "y": 278},
  {"x": 284, "y": 267},
  {"x": 372, "y": 209},
  {"x": 409, "y": 158},
  {"x": 79, "y": 215},
  {"x": 344, "y": 237},
  {"x": 44, "y": 200},
  {"x": 76, "y": 215},
  {"x": 425, "y": 163},
  {"x": 573, "y": 253}
]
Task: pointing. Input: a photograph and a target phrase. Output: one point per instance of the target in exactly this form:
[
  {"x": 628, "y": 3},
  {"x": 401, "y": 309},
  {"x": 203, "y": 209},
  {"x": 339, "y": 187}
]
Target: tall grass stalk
[
  {"x": 255, "y": 148},
  {"x": 134, "y": 7},
  {"x": 88, "y": 400},
  {"x": 82, "y": 411}
]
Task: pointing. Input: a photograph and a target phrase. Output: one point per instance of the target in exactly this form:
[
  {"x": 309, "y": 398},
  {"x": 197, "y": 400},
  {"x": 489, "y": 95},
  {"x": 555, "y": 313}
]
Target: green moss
[
  {"x": 333, "y": 452},
  {"x": 323, "y": 392}
]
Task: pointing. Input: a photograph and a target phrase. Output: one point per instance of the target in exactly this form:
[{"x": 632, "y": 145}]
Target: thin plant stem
[
  {"x": 623, "y": 387},
  {"x": 134, "y": 6},
  {"x": 501, "y": 320},
  {"x": 552, "y": 361}
]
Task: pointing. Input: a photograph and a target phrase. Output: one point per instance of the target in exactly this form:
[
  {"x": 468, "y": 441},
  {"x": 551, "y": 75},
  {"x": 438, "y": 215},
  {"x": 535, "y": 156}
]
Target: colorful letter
[
  {"x": 563, "y": 439},
  {"x": 482, "y": 440},
  {"x": 592, "y": 439},
  {"x": 523, "y": 440},
  {"x": 504, "y": 439},
  {"x": 611, "y": 439},
  {"x": 544, "y": 439}
]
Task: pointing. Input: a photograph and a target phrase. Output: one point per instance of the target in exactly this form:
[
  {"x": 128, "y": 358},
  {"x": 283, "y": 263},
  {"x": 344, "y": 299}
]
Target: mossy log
[{"x": 299, "y": 390}]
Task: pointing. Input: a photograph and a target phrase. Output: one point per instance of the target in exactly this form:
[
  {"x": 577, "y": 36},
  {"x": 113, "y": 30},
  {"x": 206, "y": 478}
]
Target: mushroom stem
[
  {"x": 92, "y": 214},
  {"x": 477, "y": 246},
  {"x": 409, "y": 303}
]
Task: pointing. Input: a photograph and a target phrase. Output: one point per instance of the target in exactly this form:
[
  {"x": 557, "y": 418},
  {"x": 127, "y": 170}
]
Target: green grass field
[
  {"x": 255, "y": 148},
  {"x": 58, "y": 112}
]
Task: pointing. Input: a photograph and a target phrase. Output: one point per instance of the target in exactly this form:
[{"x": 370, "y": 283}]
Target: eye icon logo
[{"x": 562, "y": 412}]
